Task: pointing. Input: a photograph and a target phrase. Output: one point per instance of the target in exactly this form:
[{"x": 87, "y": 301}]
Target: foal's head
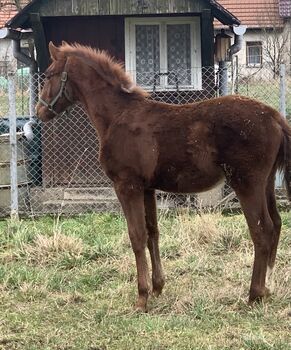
[
  {"x": 96, "y": 68},
  {"x": 57, "y": 93}
]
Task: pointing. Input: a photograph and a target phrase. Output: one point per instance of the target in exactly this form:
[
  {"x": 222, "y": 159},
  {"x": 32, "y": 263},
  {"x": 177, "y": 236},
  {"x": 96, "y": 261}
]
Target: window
[
  {"x": 254, "y": 54},
  {"x": 164, "y": 53}
]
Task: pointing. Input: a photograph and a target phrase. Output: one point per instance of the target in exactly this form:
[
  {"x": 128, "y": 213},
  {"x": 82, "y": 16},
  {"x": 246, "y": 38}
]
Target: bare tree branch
[{"x": 275, "y": 38}]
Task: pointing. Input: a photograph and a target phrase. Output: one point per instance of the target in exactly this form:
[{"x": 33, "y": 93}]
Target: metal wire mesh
[{"x": 59, "y": 170}]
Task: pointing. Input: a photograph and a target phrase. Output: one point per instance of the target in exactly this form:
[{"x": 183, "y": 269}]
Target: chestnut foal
[{"x": 148, "y": 145}]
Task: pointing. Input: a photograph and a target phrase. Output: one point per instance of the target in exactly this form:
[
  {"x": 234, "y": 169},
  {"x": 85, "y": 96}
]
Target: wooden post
[{"x": 13, "y": 147}]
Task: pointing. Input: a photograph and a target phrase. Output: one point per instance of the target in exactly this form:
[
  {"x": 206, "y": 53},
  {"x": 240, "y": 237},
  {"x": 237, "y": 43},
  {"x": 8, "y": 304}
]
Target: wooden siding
[
  {"x": 118, "y": 7},
  {"x": 105, "y": 33},
  {"x": 207, "y": 36},
  {"x": 61, "y": 153}
]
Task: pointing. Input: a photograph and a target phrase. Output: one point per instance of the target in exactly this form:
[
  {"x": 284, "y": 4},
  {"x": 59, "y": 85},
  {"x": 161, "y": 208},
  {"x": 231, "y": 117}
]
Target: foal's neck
[{"x": 103, "y": 106}]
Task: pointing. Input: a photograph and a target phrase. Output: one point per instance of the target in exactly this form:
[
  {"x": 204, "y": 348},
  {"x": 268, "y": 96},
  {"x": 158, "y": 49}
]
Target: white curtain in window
[
  {"x": 147, "y": 53},
  {"x": 179, "y": 54}
]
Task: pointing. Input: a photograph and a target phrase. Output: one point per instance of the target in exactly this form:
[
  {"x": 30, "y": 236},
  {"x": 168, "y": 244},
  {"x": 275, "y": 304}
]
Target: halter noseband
[{"x": 62, "y": 92}]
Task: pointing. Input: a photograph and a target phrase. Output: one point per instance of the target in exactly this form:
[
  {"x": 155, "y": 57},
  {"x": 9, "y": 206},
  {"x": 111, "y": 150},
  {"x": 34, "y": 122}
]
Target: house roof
[
  {"x": 222, "y": 14},
  {"x": 285, "y": 8},
  {"x": 219, "y": 12},
  {"x": 8, "y": 10},
  {"x": 256, "y": 13}
]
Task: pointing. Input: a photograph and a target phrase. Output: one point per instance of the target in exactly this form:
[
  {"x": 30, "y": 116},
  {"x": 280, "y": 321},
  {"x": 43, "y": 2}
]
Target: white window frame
[
  {"x": 254, "y": 43},
  {"x": 195, "y": 37}
]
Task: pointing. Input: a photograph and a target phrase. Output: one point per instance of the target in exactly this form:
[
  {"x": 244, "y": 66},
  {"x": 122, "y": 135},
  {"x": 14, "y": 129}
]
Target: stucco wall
[{"x": 259, "y": 35}]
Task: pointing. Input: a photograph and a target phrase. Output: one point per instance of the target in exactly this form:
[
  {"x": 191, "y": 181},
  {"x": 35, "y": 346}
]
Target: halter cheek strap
[{"x": 62, "y": 92}]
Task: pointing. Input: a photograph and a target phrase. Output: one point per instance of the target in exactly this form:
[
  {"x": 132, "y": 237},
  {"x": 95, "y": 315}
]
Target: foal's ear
[{"x": 54, "y": 51}]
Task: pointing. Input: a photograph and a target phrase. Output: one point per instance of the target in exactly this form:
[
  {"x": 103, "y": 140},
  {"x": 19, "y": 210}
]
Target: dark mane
[{"x": 109, "y": 69}]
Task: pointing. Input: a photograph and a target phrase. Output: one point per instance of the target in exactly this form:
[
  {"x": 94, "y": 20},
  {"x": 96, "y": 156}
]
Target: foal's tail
[{"x": 284, "y": 156}]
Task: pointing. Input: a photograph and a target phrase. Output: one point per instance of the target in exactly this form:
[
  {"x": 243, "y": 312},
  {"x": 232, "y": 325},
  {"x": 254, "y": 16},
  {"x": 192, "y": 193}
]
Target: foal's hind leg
[
  {"x": 131, "y": 197},
  {"x": 254, "y": 205},
  {"x": 273, "y": 211},
  {"x": 158, "y": 278}
]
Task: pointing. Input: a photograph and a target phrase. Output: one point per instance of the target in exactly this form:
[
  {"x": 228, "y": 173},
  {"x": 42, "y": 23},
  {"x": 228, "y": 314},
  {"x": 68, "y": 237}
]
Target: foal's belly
[{"x": 172, "y": 179}]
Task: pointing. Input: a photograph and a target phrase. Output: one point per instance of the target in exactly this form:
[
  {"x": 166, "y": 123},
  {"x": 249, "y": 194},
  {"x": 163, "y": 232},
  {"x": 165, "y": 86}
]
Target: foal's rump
[
  {"x": 233, "y": 136},
  {"x": 250, "y": 137}
]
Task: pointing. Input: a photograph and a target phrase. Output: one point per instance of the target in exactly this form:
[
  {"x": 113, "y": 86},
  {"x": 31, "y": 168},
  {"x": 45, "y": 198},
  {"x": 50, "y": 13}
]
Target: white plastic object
[
  {"x": 240, "y": 30},
  {"x": 27, "y": 130}
]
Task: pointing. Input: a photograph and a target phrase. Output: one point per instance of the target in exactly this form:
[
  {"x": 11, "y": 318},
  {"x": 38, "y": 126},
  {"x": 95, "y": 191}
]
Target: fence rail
[{"x": 58, "y": 170}]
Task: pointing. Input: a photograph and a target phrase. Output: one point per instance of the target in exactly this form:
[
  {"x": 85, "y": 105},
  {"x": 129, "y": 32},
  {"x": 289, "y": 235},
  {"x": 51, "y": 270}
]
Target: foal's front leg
[{"x": 131, "y": 197}]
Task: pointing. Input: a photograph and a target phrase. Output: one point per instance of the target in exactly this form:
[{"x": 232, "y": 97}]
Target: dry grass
[{"x": 44, "y": 248}]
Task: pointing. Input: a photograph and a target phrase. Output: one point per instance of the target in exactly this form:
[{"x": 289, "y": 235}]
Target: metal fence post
[
  {"x": 223, "y": 76},
  {"x": 13, "y": 146},
  {"x": 33, "y": 86},
  {"x": 283, "y": 90},
  {"x": 282, "y": 103}
]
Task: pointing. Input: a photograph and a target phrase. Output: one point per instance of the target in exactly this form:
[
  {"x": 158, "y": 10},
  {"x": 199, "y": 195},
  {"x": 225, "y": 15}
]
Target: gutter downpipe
[
  {"x": 223, "y": 77},
  {"x": 239, "y": 32},
  {"x": 235, "y": 48}
]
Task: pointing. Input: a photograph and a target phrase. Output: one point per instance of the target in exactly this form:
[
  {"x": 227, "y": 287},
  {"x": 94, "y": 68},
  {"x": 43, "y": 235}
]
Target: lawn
[{"x": 71, "y": 284}]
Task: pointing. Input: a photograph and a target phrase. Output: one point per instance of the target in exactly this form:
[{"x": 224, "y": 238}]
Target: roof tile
[
  {"x": 285, "y": 8},
  {"x": 8, "y": 10},
  {"x": 255, "y": 13}
]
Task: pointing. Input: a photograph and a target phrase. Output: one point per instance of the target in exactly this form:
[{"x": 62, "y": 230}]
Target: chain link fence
[{"x": 58, "y": 171}]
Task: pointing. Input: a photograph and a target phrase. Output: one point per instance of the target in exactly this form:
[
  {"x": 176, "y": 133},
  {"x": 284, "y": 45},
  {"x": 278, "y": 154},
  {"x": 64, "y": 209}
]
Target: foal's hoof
[
  {"x": 141, "y": 306},
  {"x": 257, "y": 296},
  {"x": 140, "y": 309},
  {"x": 158, "y": 287},
  {"x": 157, "y": 292}
]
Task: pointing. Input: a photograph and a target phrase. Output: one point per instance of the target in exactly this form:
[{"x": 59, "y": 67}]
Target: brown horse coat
[
  {"x": 148, "y": 145},
  {"x": 191, "y": 148}
]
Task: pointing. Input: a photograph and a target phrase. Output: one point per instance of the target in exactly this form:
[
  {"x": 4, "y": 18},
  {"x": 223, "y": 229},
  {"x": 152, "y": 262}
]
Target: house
[
  {"x": 120, "y": 26},
  {"x": 167, "y": 46},
  {"x": 285, "y": 13},
  {"x": 7, "y": 11},
  {"x": 267, "y": 39}
]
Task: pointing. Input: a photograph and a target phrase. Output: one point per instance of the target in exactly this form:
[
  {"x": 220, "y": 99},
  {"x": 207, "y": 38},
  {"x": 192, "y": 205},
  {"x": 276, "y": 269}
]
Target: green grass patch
[{"x": 70, "y": 283}]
